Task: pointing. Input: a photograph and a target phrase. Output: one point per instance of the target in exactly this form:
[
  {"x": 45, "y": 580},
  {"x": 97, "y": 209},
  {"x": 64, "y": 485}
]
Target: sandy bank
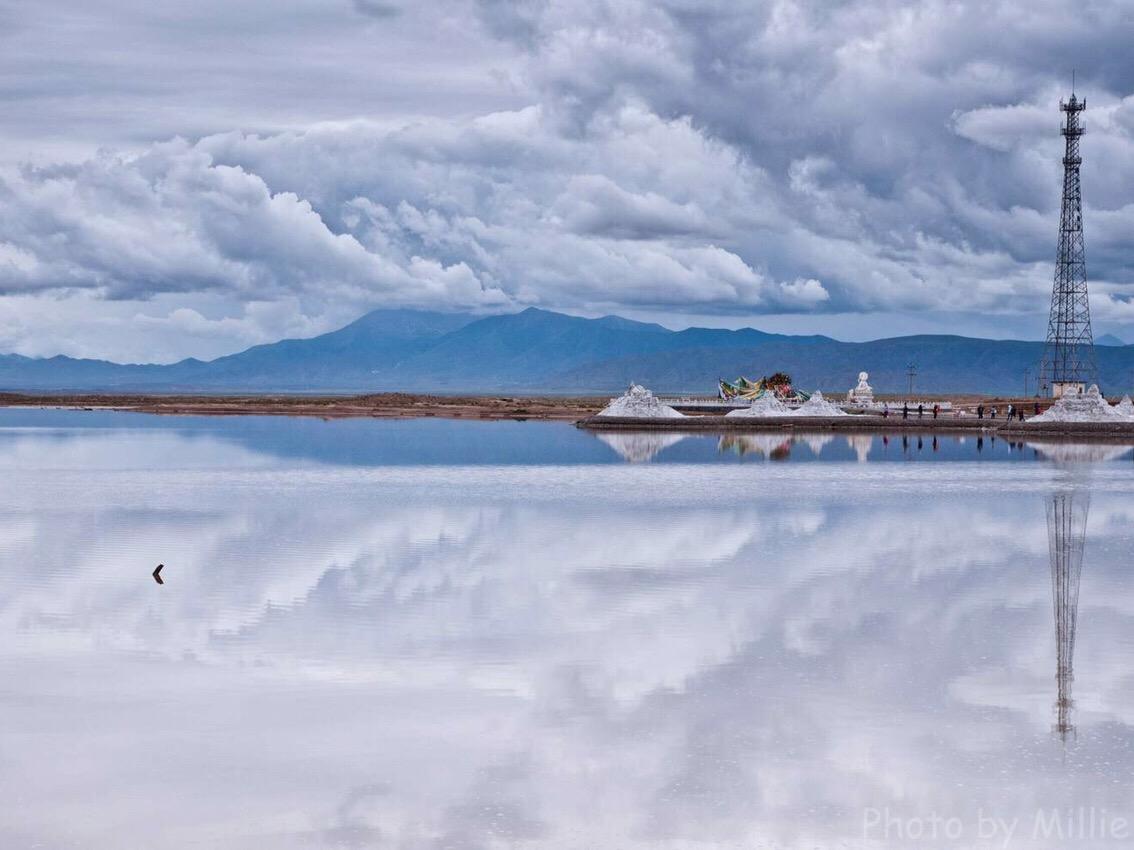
[{"x": 381, "y": 405}]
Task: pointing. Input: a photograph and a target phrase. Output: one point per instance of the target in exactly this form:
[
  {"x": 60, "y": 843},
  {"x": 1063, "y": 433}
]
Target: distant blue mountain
[
  {"x": 350, "y": 357},
  {"x": 542, "y": 351},
  {"x": 1109, "y": 339}
]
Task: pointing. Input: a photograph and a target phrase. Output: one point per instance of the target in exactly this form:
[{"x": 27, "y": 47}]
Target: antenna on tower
[{"x": 1069, "y": 354}]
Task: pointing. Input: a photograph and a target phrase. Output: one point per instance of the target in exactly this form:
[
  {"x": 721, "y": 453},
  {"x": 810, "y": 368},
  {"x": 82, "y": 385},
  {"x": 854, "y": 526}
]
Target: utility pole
[
  {"x": 1069, "y": 355},
  {"x": 911, "y": 373},
  {"x": 1027, "y": 374}
]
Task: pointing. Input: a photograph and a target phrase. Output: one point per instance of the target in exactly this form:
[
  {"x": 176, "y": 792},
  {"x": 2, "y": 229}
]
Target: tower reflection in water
[
  {"x": 1066, "y": 536},
  {"x": 1067, "y": 510}
]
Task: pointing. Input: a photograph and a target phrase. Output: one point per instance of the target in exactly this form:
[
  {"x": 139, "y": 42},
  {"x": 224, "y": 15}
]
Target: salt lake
[{"x": 447, "y": 634}]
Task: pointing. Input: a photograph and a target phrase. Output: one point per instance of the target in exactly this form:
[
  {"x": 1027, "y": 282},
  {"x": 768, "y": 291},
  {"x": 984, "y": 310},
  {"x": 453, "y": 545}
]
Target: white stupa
[
  {"x": 639, "y": 403},
  {"x": 863, "y": 393},
  {"x": 1125, "y": 407}
]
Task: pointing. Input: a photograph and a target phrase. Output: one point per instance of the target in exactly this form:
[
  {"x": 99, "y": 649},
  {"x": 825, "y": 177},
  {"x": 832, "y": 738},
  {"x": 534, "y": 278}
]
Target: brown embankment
[
  {"x": 382, "y": 405},
  {"x": 1093, "y": 431},
  {"x": 961, "y": 418},
  {"x": 581, "y": 410},
  {"x": 787, "y": 423}
]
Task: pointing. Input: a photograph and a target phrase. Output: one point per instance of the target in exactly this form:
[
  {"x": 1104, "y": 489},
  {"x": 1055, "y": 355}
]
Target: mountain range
[{"x": 542, "y": 351}]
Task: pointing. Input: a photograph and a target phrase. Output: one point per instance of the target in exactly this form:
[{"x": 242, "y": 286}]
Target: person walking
[
  {"x": 936, "y": 410},
  {"x": 1011, "y": 412},
  {"x": 1037, "y": 408},
  {"x": 980, "y": 411},
  {"x": 920, "y": 410},
  {"x": 992, "y": 413},
  {"x": 905, "y": 410}
]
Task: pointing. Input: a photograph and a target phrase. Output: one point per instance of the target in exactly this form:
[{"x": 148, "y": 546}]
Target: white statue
[{"x": 863, "y": 393}]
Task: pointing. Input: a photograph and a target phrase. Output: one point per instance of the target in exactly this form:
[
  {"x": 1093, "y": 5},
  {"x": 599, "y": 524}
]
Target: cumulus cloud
[
  {"x": 806, "y": 292},
  {"x": 683, "y": 157},
  {"x": 172, "y": 220}
]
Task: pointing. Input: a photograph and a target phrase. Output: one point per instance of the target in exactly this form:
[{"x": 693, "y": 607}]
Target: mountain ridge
[{"x": 541, "y": 350}]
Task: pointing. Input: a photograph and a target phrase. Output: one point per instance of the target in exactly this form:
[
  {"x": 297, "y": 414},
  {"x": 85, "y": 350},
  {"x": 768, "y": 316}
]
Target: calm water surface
[{"x": 438, "y": 634}]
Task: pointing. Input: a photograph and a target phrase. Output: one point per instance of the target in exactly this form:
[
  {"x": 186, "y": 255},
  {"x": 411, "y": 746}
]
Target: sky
[{"x": 190, "y": 179}]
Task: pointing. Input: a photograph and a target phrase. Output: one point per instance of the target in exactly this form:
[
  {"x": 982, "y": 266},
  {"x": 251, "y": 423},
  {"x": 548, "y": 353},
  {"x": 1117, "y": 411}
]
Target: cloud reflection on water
[{"x": 561, "y": 656}]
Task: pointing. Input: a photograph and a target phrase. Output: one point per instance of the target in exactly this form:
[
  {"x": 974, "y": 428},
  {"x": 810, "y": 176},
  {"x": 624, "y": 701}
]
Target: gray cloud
[
  {"x": 684, "y": 158},
  {"x": 377, "y": 10}
]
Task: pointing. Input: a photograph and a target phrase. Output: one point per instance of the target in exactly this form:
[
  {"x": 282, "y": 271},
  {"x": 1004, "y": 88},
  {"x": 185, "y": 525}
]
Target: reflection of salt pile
[
  {"x": 774, "y": 446},
  {"x": 819, "y": 406},
  {"x": 861, "y": 443},
  {"x": 1125, "y": 407},
  {"x": 1080, "y": 452},
  {"x": 641, "y": 446},
  {"x": 816, "y": 442},
  {"x": 639, "y": 403},
  {"x": 1081, "y": 407},
  {"x": 765, "y": 405}
]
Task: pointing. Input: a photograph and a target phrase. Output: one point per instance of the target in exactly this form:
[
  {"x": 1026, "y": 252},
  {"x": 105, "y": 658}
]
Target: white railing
[
  {"x": 702, "y": 401},
  {"x": 892, "y": 406},
  {"x": 897, "y": 405}
]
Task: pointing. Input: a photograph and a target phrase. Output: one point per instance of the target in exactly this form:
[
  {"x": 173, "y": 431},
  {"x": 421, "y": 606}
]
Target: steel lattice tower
[
  {"x": 1069, "y": 356},
  {"x": 1066, "y": 537}
]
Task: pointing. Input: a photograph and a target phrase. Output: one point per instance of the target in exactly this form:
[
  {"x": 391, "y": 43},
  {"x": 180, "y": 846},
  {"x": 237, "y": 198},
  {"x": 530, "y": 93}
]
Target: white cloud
[
  {"x": 806, "y": 292},
  {"x": 172, "y": 220}
]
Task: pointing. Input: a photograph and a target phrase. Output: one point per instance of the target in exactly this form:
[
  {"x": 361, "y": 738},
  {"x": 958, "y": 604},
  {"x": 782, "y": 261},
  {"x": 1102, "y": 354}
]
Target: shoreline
[
  {"x": 374, "y": 406},
  {"x": 580, "y": 410}
]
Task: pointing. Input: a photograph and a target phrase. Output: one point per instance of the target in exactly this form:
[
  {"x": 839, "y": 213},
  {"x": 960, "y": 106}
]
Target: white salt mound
[
  {"x": 1081, "y": 407},
  {"x": 765, "y": 405},
  {"x": 639, "y": 403},
  {"x": 1125, "y": 407},
  {"x": 819, "y": 406}
]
